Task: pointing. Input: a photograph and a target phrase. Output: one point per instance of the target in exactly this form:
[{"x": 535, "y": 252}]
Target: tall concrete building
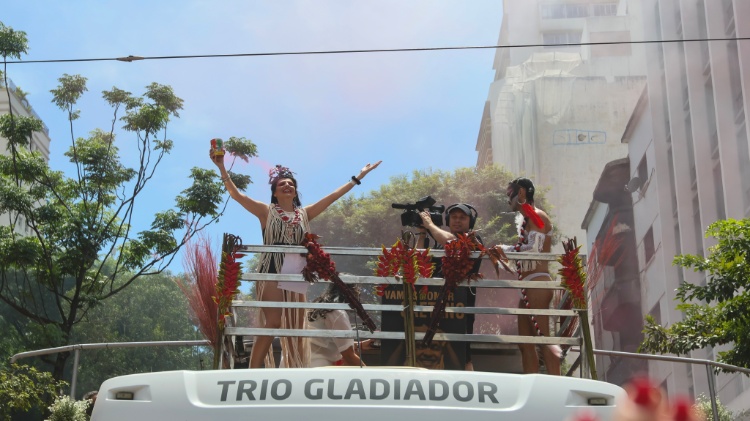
[
  {"x": 14, "y": 100},
  {"x": 556, "y": 113},
  {"x": 688, "y": 165}
]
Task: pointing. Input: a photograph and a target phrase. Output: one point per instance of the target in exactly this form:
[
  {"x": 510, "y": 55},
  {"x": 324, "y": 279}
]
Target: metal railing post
[
  {"x": 76, "y": 356},
  {"x": 712, "y": 392}
]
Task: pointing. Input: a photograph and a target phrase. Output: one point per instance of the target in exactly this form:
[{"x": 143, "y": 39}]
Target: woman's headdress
[{"x": 279, "y": 172}]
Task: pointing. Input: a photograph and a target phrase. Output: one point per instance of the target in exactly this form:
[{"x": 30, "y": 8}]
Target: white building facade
[
  {"x": 689, "y": 162},
  {"x": 10, "y": 100},
  {"x": 556, "y": 114}
]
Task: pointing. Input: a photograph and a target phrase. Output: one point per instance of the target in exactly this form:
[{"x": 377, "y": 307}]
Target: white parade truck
[{"x": 351, "y": 394}]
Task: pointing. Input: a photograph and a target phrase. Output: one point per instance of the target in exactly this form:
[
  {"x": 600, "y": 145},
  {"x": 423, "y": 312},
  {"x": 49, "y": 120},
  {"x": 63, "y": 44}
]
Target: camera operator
[{"x": 460, "y": 219}]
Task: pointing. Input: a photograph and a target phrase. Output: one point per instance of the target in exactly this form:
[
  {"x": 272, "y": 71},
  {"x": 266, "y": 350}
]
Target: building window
[
  {"x": 643, "y": 171},
  {"x": 607, "y": 9},
  {"x": 648, "y": 244},
  {"x": 700, "y": 7},
  {"x": 719, "y": 191},
  {"x": 697, "y": 225},
  {"x": 557, "y": 38},
  {"x": 743, "y": 150},
  {"x": 564, "y": 11}
]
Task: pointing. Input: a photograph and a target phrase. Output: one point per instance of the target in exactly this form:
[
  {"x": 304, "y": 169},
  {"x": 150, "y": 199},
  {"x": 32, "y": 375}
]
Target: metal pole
[
  {"x": 727, "y": 367},
  {"x": 712, "y": 392},
  {"x": 76, "y": 355},
  {"x": 22, "y": 355}
]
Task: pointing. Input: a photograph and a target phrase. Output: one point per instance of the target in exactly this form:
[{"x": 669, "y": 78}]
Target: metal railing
[
  {"x": 709, "y": 364},
  {"x": 104, "y": 345},
  {"x": 374, "y": 252}
]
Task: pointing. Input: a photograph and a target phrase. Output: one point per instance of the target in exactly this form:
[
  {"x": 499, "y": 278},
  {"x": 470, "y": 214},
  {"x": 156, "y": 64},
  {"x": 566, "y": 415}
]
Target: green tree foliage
[
  {"x": 66, "y": 409},
  {"x": 81, "y": 248},
  {"x": 703, "y": 403},
  {"x": 23, "y": 388},
  {"x": 152, "y": 309},
  {"x": 716, "y": 313}
]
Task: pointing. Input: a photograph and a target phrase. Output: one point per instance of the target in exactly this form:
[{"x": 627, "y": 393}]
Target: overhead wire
[{"x": 132, "y": 58}]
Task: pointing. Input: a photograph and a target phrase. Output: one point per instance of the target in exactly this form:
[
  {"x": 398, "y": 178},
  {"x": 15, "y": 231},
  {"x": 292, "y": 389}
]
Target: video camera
[{"x": 410, "y": 217}]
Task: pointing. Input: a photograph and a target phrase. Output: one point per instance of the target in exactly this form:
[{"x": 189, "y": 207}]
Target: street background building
[
  {"x": 15, "y": 99},
  {"x": 687, "y": 165}
]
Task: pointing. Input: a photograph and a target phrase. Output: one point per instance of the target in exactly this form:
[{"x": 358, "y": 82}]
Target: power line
[{"x": 132, "y": 58}]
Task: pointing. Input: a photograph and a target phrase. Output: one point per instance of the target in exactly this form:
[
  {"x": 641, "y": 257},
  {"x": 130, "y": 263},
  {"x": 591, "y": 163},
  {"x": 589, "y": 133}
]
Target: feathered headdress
[{"x": 279, "y": 172}]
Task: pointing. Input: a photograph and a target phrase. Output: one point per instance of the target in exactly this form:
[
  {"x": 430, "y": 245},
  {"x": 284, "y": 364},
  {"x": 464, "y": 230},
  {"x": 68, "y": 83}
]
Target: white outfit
[
  {"x": 534, "y": 244},
  {"x": 326, "y": 351}
]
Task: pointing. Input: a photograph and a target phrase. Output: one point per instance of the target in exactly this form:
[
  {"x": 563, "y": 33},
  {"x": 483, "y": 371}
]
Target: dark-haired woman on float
[
  {"x": 332, "y": 351},
  {"x": 534, "y": 236},
  {"x": 284, "y": 222}
]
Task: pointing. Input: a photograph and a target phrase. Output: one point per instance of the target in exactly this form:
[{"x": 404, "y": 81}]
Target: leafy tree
[
  {"x": 23, "y": 388},
  {"x": 10, "y": 342},
  {"x": 82, "y": 243},
  {"x": 703, "y": 403},
  {"x": 716, "y": 313},
  {"x": 162, "y": 315},
  {"x": 66, "y": 409}
]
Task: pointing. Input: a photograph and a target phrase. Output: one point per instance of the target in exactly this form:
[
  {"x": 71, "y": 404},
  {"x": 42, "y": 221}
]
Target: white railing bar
[
  {"x": 670, "y": 358},
  {"x": 372, "y": 251},
  {"x": 377, "y": 280},
  {"x": 363, "y": 334},
  {"x": 112, "y": 345},
  {"x": 398, "y": 307}
]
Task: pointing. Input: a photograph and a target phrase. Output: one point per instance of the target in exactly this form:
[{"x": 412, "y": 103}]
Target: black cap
[{"x": 460, "y": 206}]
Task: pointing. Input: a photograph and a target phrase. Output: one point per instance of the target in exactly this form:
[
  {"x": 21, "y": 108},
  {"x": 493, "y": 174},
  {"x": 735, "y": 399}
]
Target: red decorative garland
[
  {"x": 530, "y": 212},
  {"x": 572, "y": 273},
  {"x": 227, "y": 285},
  {"x": 457, "y": 266},
  {"x": 523, "y": 239},
  {"x": 285, "y": 217},
  {"x": 408, "y": 263},
  {"x": 320, "y": 266}
]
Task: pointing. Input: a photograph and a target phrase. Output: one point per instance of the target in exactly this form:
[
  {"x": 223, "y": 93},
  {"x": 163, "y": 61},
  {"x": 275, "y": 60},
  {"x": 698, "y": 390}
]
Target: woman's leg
[
  {"x": 272, "y": 320},
  {"x": 540, "y": 299},
  {"x": 529, "y": 357}
]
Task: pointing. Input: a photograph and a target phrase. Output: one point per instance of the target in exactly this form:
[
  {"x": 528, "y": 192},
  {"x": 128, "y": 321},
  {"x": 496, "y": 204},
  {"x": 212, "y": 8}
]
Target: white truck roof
[{"x": 351, "y": 394}]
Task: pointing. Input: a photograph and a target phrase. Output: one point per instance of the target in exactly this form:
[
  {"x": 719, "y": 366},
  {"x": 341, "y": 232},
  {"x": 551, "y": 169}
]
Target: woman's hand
[
  {"x": 217, "y": 160},
  {"x": 366, "y": 169}
]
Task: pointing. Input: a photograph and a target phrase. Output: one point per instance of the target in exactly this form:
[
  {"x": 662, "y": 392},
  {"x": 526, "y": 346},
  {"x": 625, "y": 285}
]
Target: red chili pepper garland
[
  {"x": 572, "y": 273},
  {"x": 574, "y": 280},
  {"x": 320, "y": 266},
  {"x": 227, "y": 285},
  {"x": 457, "y": 266},
  {"x": 405, "y": 262}
]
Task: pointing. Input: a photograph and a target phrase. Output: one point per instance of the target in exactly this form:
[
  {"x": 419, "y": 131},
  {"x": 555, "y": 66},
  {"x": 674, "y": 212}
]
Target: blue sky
[{"x": 324, "y": 116}]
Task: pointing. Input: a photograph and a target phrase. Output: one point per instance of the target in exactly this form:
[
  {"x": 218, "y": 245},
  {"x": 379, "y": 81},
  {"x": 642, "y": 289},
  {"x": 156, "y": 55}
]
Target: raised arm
[
  {"x": 318, "y": 207},
  {"x": 259, "y": 209}
]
